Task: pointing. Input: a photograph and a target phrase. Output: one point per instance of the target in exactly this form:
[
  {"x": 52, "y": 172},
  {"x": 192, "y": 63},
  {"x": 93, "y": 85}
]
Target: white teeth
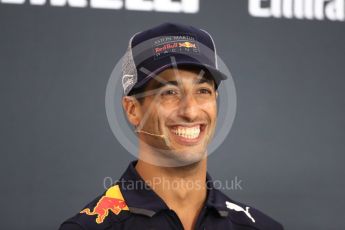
[{"x": 187, "y": 132}]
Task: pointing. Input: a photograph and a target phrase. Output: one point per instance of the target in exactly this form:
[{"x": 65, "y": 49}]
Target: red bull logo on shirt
[{"x": 111, "y": 201}]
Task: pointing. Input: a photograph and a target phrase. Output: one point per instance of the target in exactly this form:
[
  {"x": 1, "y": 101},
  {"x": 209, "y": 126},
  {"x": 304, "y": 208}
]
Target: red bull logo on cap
[
  {"x": 187, "y": 45},
  {"x": 167, "y": 45},
  {"x": 112, "y": 200}
]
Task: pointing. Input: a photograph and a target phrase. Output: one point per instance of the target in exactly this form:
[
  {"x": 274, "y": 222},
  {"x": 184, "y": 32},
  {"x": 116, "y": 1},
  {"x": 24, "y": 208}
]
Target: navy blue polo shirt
[{"x": 131, "y": 204}]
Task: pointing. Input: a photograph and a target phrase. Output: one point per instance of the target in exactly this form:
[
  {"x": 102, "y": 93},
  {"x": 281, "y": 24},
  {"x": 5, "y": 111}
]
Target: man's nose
[{"x": 188, "y": 107}]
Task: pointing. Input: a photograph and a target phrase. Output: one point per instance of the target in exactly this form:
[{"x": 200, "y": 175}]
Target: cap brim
[{"x": 217, "y": 75}]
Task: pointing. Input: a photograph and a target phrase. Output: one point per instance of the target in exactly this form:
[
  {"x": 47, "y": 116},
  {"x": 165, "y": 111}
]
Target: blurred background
[{"x": 287, "y": 141}]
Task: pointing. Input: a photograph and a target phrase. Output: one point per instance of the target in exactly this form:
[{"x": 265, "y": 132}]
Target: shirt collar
[{"x": 141, "y": 199}]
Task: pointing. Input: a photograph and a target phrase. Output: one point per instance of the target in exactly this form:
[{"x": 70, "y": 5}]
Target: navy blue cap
[{"x": 165, "y": 46}]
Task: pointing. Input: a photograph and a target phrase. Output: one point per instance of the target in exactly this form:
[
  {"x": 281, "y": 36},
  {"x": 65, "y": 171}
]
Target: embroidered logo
[
  {"x": 237, "y": 208},
  {"x": 112, "y": 200},
  {"x": 185, "y": 44}
]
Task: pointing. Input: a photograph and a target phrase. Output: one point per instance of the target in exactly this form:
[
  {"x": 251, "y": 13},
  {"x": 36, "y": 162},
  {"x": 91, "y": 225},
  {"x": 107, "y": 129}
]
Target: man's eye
[
  {"x": 169, "y": 92},
  {"x": 204, "y": 91}
]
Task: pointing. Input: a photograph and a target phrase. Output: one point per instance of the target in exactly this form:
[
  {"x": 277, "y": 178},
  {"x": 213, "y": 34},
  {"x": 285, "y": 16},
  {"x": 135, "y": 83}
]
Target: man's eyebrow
[
  {"x": 202, "y": 80},
  {"x": 160, "y": 84}
]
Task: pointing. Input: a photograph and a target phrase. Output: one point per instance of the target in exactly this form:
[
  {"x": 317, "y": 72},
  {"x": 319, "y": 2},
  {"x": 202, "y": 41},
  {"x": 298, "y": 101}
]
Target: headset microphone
[{"x": 152, "y": 134}]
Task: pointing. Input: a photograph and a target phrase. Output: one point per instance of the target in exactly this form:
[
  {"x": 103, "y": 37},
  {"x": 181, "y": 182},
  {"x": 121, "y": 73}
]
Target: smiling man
[
  {"x": 170, "y": 80},
  {"x": 182, "y": 110}
]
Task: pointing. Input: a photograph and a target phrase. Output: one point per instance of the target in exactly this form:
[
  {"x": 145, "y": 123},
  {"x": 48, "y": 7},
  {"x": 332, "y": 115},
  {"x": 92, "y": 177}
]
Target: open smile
[{"x": 188, "y": 135}]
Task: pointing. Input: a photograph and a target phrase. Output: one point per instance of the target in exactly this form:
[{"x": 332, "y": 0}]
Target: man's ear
[{"x": 131, "y": 106}]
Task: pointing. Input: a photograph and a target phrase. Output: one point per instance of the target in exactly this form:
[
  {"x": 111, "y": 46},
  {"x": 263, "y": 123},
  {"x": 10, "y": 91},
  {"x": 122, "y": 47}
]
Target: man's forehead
[{"x": 180, "y": 76}]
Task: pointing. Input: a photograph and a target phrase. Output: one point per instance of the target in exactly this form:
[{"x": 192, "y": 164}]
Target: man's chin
[
  {"x": 174, "y": 155},
  {"x": 186, "y": 156}
]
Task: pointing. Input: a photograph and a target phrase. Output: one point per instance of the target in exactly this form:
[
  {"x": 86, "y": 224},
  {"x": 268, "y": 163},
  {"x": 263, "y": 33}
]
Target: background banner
[{"x": 287, "y": 141}]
